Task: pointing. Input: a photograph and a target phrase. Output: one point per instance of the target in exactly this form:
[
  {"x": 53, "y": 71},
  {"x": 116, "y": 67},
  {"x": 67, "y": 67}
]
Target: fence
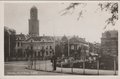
[{"x": 76, "y": 66}]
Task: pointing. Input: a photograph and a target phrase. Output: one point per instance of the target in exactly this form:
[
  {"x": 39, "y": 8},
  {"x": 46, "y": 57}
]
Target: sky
[{"x": 89, "y": 26}]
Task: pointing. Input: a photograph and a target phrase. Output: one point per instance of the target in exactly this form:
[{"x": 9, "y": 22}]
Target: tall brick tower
[{"x": 33, "y": 22}]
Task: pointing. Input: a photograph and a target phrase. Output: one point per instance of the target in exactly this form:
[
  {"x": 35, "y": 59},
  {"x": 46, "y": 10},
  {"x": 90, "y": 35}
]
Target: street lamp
[
  {"x": 68, "y": 48},
  {"x": 31, "y": 44},
  {"x": 98, "y": 64},
  {"x": 115, "y": 64},
  {"x": 9, "y": 46},
  {"x": 83, "y": 51}
]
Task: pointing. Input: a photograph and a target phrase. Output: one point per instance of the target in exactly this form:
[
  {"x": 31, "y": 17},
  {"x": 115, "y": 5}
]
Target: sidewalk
[
  {"x": 80, "y": 71},
  {"x": 19, "y": 68}
]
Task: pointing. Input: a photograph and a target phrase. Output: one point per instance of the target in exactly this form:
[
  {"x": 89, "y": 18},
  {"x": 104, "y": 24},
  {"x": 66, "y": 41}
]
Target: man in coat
[{"x": 54, "y": 60}]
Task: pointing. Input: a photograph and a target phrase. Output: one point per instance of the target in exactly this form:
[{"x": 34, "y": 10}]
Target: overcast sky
[{"x": 90, "y": 25}]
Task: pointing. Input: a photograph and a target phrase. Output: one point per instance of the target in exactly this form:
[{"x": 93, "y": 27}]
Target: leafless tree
[{"x": 111, "y": 7}]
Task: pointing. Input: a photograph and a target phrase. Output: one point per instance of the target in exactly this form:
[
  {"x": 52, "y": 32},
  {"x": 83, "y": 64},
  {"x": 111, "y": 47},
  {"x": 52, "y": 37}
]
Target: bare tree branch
[
  {"x": 111, "y": 7},
  {"x": 71, "y": 6}
]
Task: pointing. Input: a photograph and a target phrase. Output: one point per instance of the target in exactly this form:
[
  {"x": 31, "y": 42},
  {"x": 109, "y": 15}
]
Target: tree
[
  {"x": 111, "y": 7},
  {"x": 9, "y": 42},
  {"x": 6, "y": 42},
  {"x": 58, "y": 50}
]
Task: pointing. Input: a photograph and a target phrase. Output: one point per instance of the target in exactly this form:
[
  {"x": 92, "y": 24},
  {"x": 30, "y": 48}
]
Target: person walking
[{"x": 54, "y": 60}]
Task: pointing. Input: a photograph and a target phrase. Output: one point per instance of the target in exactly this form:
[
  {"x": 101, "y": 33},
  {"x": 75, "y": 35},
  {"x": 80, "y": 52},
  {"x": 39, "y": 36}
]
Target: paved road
[
  {"x": 19, "y": 68},
  {"x": 46, "y": 67}
]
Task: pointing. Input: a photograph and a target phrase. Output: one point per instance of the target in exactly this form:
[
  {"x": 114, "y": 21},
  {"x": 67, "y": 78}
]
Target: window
[
  {"x": 46, "y": 52},
  {"x": 50, "y": 47},
  {"x": 18, "y": 44},
  {"x": 50, "y": 52},
  {"x": 21, "y": 43},
  {"x": 72, "y": 47},
  {"x": 47, "y": 47},
  {"x": 42, "y": 47},
  {"x": 43, "y": 40}
]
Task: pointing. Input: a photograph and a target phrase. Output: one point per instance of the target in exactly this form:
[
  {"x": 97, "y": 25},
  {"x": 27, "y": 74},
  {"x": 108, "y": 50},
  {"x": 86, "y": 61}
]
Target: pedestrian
[{"x": 54, "y": 60}]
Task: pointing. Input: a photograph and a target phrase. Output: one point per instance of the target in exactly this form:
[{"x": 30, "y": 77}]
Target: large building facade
[
  {"x": 75, "y": 47},
  {"x": 41, "y": 46}
]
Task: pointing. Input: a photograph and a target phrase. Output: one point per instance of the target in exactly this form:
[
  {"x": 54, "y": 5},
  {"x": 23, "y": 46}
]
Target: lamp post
[
  {"x": 68, "y": 48},
  {"x": 98, "y": 62},
  {"x": 31, "y": 54},
  {"x": 54, "y": 45},
  {"x": 9, "y": 46},
  {"x": 115, "y": 65},
  {"x": 83, "y": 51}
]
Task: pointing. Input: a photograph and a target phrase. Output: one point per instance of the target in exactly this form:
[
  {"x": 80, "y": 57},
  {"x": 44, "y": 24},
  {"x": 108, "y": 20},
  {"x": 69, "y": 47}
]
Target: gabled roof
[
  {"x": 39, "y": 38},
  {"x": 21, "y": 36},
  {"x": 76, "y": 39},
  {"x": 64, "y": 38}
]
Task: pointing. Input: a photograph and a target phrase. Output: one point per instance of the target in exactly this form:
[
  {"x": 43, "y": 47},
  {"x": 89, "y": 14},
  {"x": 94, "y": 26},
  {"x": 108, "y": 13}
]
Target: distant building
[
  {"x": 73, "y": 46},
  {"x": 20, "y": 38},
  {"x": 109, "y": 43},
  {"x": 78, "y": 47},
  {"x": 43, "y": 46}
]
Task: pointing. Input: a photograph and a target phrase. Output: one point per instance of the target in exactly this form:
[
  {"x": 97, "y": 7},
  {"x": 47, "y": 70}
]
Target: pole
[
  {"x": 72, "y": 66},
  {"x": 45, "y": 64},
  {"x": 9, "y": 47},
  {"x": 98, "y": 66},
  {"x": 45, "y": 56},
  {"x": 35, "y": 60},
  {"x": 54, "y": 44},
  {"x": 98, "y": 63},
  {"x": 68, "y": 49},
  {"x": 84, "y": 66},
  {"x": 114, "y": 66},
  {"x": 39, "y": 61},
  {"x": 84, "y": 61},
  {"x": 61, "y": 66}
]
